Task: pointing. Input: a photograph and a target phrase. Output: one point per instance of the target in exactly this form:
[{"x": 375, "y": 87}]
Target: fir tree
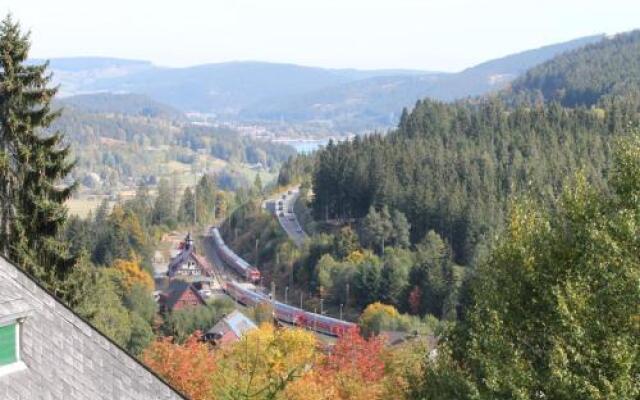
[
  {"x": 187, "y": 206},
  {"x": 32, "y": 164},
  {"x": 164, "y": 206}
]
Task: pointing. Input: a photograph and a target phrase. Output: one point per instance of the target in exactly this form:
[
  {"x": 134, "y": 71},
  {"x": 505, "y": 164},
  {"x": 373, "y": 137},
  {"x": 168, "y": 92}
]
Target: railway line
[{"x": 250, "y": 295}]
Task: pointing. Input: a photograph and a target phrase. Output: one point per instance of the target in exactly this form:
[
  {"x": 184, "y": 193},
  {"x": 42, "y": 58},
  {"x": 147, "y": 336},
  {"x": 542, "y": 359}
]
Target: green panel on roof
[{"x": 8, "y": 344}]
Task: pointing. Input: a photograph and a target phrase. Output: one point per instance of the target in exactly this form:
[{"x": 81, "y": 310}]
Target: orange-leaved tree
[
  {"x": 354, "y": 369},
  {"x": 189, "y": 367}
]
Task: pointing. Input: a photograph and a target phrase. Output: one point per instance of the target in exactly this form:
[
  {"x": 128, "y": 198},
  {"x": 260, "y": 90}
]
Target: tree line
[
  {"x": 586, "y": 76},
  {"x": 453, "y": 168}
]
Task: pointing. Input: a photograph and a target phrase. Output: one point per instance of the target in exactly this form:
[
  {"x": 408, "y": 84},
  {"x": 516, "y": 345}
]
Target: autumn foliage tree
[
  {"x": 272, "y": 364},
  {"x": 189, "y": 367},
  {"x": 356, "y": 356},
  {"x": 377, "y": 317},
  {"x": 354, "y": 369},
  {"x": 132, "y": 274},
  {"x": 263, "y": 363},
  {"x": 554, "y": 311}
]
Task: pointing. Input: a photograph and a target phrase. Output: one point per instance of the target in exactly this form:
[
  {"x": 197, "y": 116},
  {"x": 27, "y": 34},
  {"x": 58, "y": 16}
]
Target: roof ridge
[{"x": 4, "y": 264}]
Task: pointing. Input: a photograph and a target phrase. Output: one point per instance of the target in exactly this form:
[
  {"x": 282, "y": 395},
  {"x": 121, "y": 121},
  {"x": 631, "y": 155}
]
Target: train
[
  {"x": 289, "y": 314},
  {"x": 227, "y": 255},
  {"x": 283, "y": 312}
]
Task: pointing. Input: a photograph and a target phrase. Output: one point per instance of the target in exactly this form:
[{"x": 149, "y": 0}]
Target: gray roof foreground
[{"x": 66, "y": 357}]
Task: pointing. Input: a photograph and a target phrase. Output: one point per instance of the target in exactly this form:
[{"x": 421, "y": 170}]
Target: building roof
[
  {"x": 188, "y": 251},
  {"x": 236, "y": 322},
  {"x": 180, "y": 259},
  {"x": 12, "y": 303},
  {"x": 64, "y": 356},
  {"x": 203, "y": 263},
  {"x": 175, "y": 291}
]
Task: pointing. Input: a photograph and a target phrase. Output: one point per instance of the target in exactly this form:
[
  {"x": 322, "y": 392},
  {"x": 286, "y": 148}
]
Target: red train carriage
[
  {"x": 243, "y": 295},
  {"x": 290, "y": 314},
  {"x": 234, "y": 261}
]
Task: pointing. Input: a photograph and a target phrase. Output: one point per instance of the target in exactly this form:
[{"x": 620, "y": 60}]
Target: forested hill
[
  {"x": 125, "y": 104},
  {"x": 127, "y": 138},
  {"x": 585, "y": 76},
  {"x": 338, "y": 100},
  {"x": 453, "y": 168},
  {"x": 376, "y": 102}
]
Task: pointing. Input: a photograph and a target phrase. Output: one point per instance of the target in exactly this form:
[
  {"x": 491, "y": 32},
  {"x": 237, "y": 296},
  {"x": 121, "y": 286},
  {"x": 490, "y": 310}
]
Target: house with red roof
[{"x": 180, "y": 295}]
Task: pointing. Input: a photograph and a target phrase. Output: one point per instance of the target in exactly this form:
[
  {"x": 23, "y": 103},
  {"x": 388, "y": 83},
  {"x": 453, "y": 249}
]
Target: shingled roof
[{"x": 64, "y": 356}]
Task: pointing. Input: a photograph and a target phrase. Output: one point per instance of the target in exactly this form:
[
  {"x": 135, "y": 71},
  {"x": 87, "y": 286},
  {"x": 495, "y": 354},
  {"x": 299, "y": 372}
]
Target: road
[{"x": 284, "y": 203}]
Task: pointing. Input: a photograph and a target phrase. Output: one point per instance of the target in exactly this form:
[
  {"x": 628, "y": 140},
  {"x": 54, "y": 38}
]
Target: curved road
[{"x": 282, "y": 205}]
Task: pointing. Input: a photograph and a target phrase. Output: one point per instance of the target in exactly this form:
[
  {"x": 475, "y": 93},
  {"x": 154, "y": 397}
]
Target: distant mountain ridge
[
  {"x": 586, "y": 75},
  {"x": 497, "y": 73},
  {"x": 378, "y": 101},
  {"x": 226, "y": 88},
  {"x": 77, "y": 75},
  {"x": 123, "y": 104},
  {"x": 342, "y": 100}
]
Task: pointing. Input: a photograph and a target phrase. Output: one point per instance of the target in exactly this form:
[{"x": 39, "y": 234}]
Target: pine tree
[
  {"x": 164, "y": 212},
  {"x": 32, "y": 164},
  {"x": 206, "y": 193},
  {"x": 187, "y": 205},
  {"x": 401, "y": 229},
  {"x": 142, "y": 204}
]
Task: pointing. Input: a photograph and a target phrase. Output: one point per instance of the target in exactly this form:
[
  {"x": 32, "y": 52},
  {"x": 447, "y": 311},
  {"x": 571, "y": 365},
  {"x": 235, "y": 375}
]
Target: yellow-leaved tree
[
  {"x": 263, "y": 363},
  {"x": 132, "y": 274},
  {"x": 378, "y": 317}
]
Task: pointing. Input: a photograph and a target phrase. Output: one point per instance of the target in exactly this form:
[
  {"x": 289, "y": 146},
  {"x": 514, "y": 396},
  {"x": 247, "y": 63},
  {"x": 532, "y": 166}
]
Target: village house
[
  {"x": 49, "y": 352},
  {"x": 229, "y": 329},
  {"x": 190, "y": 267},
  {"x": 180, "y": 295},
  {"x": 187, "y": 263}
]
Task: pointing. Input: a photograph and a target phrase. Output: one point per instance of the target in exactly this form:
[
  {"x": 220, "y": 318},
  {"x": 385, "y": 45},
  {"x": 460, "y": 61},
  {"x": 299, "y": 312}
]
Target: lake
[{"x": 305, "y": 146}]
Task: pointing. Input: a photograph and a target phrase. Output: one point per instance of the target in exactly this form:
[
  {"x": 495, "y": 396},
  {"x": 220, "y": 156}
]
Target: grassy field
[
  {"x": 180, "y": 174},
  {"x": 82, "y": 205}
]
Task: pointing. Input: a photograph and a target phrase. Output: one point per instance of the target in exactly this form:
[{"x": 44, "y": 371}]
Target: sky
[{"x": 367, "y": 34}]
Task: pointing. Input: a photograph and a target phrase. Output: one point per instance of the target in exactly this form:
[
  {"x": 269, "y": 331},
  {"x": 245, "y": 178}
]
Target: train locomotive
[{"x": 227, "y": 255}]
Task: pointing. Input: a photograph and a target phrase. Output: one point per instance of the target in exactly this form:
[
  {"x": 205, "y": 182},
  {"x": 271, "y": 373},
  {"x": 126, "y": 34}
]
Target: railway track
[{"x": 321, "y": 324}]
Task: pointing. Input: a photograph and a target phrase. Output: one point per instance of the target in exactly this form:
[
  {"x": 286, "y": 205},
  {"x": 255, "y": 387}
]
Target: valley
[{"x": 262, "y": 230}]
